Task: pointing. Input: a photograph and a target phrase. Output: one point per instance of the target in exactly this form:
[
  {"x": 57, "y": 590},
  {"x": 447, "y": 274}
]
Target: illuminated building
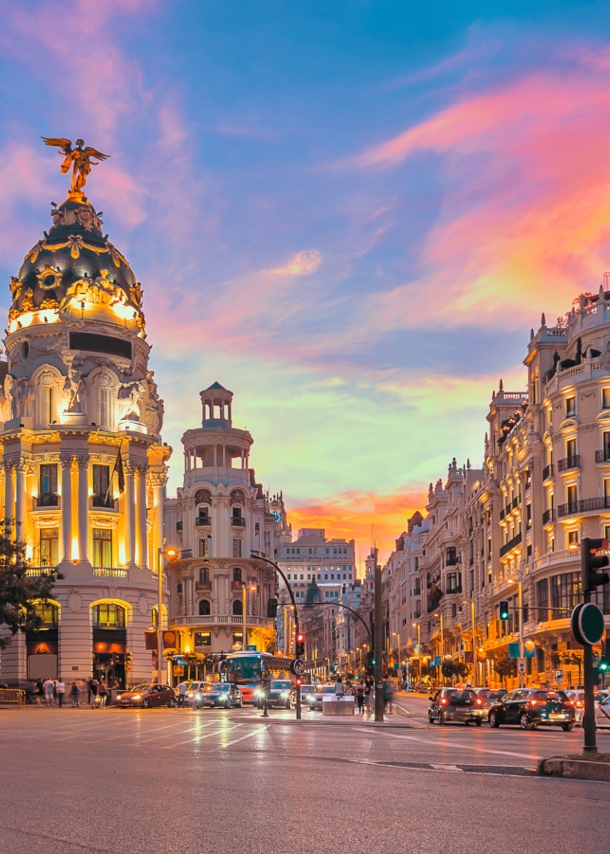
[
  {"x": 221, "y": 520},
  {"x": 83, "y": 466}
]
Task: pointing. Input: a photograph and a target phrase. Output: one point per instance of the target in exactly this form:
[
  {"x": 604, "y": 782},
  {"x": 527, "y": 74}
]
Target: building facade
[
  {"x": 83, "y": 466},
  {"x": 222, "y": 523}
]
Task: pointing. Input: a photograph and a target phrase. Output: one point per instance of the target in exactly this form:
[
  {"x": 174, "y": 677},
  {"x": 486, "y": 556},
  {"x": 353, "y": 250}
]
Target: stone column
[
  {"x": 130, "y": 514},
  {"x": 158, "y": 481},
  {"x": 141, "y": 515},
  {"x": 66, "y": 505},
  {"x": 83, "y": 507},
  {"x": 21, "y": 470},
  {"x": 9, "y": 493}
]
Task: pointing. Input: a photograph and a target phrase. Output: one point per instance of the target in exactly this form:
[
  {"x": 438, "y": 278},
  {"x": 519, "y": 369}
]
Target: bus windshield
[{"x": 249, "y": 667}]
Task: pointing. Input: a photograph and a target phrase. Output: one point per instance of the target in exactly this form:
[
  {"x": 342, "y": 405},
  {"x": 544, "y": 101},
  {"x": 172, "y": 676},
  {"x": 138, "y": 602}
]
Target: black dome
[{"x": 73, "y": 250}]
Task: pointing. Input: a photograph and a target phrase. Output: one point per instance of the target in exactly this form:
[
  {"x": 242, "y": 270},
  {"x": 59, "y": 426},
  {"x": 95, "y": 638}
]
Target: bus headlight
[{"x": 284, "y": 695}]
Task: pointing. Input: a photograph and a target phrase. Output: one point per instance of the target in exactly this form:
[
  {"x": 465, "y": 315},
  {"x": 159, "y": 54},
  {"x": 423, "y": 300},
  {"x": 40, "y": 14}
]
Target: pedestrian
[
  {"x": 367, "y": 694},
  {"x": 74, "y": 695},
  {"x": 102, "y": 693},
  {"x": 360, "y": 696},
  {"x": 48, "y": 691},
  {"x": 181, "y": 694},
  {"x": 388, "y": 695},
  {"x": 339, "y": 688},
  {"x": 90, "y": 690},
  {"x": 92, "y": 685},
  {"x": 39, "y": 692},
  {"x": 61, "y": 690}
]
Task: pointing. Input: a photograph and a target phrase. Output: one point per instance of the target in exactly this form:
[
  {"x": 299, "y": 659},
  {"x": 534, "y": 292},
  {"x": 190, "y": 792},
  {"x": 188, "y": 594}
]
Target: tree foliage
[
  {"x": 19, "y": 589},
  {"x": 505, "y": 666},
  {"x": 455, "y": 668}
]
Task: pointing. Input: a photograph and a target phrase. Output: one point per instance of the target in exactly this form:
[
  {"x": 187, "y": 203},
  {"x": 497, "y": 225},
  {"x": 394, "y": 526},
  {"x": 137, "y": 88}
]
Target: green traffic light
[{"x": 504, "y": 610}]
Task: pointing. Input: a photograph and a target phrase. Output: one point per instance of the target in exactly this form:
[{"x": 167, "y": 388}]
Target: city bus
[{"x": 249, "y": 668}]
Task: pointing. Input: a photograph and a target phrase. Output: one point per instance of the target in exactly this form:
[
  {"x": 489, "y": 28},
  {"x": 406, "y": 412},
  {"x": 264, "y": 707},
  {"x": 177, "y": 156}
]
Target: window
[
  {"x": 238, "y": 608},
  {"x": 49, "y": 540},
  {"x": 606, "y": 445},
  {"x": 48, "y": 479},
  {"x": 104, "y": 407},
  {"x": 101, "y": 479},
  {"x": 572, "y": 496},
  {"x": 528, "y": 515},
  {"x": 48, "y": 405},
  {"x": 606, "y": 398},
  {"x": 571, "y": 450},
  {"x": 572, "y": 537},
  {"x": 237, "y": 574},
  {"x": 202, "y": 639},
  {"x": 204, "y": 575},
  {"x": 570, "y": 406},
  {"x": 204, "y": 608},
  {"x": 108, "y": 615},
  {"x": 48, "y": 613},
  {"x": 102, "y": 547},
  {"x": 202, "y": 548},
  {"x": 566, "y": 592},
  {"x": 236, "y": 547}
]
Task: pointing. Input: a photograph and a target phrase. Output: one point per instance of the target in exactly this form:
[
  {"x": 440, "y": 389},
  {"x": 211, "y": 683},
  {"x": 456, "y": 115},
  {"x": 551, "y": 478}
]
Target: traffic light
[
  {"x": 603, "y": 665},
  {"x": 591, "y": 563},
  {"x": 299, "y": 646},
  {"x": 372, "y": 661},
  {"x": 504, "y": 610},
  {"x": 129, "y": 656},
  {"x": 271, "y": 609}
]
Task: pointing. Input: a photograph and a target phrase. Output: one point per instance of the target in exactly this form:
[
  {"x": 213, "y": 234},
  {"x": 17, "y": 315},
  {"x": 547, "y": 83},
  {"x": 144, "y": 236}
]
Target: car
[
  {"x": 224, "y": 695},
  {"x": 323, "y": 691},
  {"x": 280, "y": 693},
  {"x": 247, "y": 693},
  {"x": 146, "y": 696},
  {"x": 308, "y": 696},
  {"x": 602, "y": 714},
  {"x": 491, "y": 695},
  {"x": 457, "y": 704},
  {"x": 533, "y": 707},
  {"x": 192, "y": 689}
]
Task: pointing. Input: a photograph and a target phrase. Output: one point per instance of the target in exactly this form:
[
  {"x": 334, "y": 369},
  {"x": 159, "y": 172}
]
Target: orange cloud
[{"x": 362, "y": 516}]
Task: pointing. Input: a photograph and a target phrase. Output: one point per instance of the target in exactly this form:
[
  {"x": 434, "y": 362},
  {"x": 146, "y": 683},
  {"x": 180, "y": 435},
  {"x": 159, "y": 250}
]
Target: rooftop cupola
[{"x": 216, "y": 404}]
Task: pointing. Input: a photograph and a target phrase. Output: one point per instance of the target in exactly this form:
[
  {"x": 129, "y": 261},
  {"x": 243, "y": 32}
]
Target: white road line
[
  {"x": 170, "y": 734},
  {"x": 250, "y": 734},
  {"x": 472, "y": 748},
  {"x": 446, "y": 768},
  {"x": 200, "y": 738}
]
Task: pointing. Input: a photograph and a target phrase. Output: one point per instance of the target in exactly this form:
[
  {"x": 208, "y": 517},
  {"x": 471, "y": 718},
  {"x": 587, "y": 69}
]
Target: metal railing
[
  {"x": 547, "y": 472},
  {"x": 548, "y": 516},
  {"x": 572, "y": 462},
  {"x": 102, "y": 499},
  {"x": 585, "y": 505},
  {"x": 186, "y": 553},
  {"x": 203, "y": 520},
  {"x": 220, "y": 620},
  {"x": 602, "y": 456},
  {"x": 12, "y": 695},
  {"x": 511, "y": 544},
  {"x": 47, "y": 499},
  {"x": 238, "y": 522}
]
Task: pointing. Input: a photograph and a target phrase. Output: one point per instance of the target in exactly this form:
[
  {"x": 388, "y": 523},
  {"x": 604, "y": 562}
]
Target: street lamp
[
  {"x": 417, "y": 625},
  {"x": 399, "y": 671},
  {"x": 170, "y": 553},
  {"x": 244, "y": 608}
]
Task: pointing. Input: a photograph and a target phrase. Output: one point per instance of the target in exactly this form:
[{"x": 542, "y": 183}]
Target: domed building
[
  {"x": 83, "y": 466},
  {"x": 223, "y": 523}
]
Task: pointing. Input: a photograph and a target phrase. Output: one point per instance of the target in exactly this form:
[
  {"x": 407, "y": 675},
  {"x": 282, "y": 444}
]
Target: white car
[
  {"x": 602, "y": 714},
  {"x": 321, "y": 692},
  {"x": 192, "y": 689},
  {"x": 308, "y": 696}
]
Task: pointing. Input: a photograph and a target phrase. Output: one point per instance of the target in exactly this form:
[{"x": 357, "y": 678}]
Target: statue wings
[
  {"x": 58, "y": 142},
  {"x": 93, "y": 152}
]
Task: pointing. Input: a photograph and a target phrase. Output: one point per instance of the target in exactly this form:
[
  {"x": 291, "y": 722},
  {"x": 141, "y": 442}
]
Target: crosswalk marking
[
  {"x": 200, "y": 738},
  {"x": 260, "y": 731}
]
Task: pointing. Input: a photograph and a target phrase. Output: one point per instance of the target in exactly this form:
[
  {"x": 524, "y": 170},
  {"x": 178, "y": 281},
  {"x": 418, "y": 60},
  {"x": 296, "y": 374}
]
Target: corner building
[
  {"x": 222, "y": 522},
  {"x": 83, "y": 467}
]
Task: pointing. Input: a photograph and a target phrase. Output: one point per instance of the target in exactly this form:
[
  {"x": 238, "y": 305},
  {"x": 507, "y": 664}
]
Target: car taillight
[
  {"x": 533, "y": 702},
  {"x": 579, "y": 704},
  {"x": 443, "y": 702},
  {"x": 479, "y": 702}
]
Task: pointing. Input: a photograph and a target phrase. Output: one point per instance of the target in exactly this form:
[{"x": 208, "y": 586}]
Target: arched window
[
  {"x": 238, "y": 608},
  {"x": 237, "y": 574},
  {"x": 46, "y": 399},
  {"x": 204, "y": 608},
  {"x": 204, "y": 575},
  {"x": 109, "y": 615},
  {"x": 48, "y": 613},
  {"x": 103, "y": 397}
]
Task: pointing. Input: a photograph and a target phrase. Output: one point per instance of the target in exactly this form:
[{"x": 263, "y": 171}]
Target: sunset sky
[{"x": 349, "y": 213}]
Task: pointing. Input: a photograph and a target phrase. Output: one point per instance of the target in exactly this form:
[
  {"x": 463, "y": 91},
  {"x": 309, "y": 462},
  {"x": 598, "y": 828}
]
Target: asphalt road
[{"x": 230, "y": 781}]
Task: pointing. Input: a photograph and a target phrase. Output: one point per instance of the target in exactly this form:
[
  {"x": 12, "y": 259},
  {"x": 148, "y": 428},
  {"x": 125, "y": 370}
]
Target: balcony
[
  {"x": 516, "y": 502},
  {"x": 586, "y": 505},
  {"x": 221, "y": 620},
  {"x": 202, "y": 521},
  {"x": 502, "y": 514},
  {"x": 47, "y": 499},
  {"x": 110, "y": 572},
  {"x": 572, "y": 462},
  {"x": 186, "y": 553},
  {"x": 102, "y": 499},
  {"x": 507, "y": 547},
  {"x": 238, "y": 522},
  {"x": 548, "y": 516},
  {"x": 453, "y": 560},
  {"x": 236, "y": 585},
  {"x": 457, "y": 588},
  {"x": 178, "y": 526},
  {"x": 602, "y": 456},
  {"x": 203, "y": 585},
  {"x": 35, "y": 571},
  {"x": 547, "y": 472}
]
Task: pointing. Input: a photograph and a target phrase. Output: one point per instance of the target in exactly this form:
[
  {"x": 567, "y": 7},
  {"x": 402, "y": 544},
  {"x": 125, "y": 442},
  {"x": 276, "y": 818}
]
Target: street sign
[
  {"x": 436, "y": 661},
  {"x": 514, "y": 650},
  {"x": 298, "y": 667},
  {"x": 587, "y": 624},
  {"x": 559, "y": 676},
  {"x": 521, "y": 665}
]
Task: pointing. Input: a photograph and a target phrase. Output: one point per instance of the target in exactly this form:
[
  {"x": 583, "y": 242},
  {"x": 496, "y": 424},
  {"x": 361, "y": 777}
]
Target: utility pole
[{"x": 378, "y": 644}]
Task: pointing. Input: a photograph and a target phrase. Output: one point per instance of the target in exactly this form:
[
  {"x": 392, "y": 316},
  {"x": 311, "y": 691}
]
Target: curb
[{"x": 574, "y": 769}]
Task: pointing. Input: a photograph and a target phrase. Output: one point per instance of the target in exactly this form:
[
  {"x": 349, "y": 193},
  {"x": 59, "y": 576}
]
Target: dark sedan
[
  {"x": 223, "y": 695},
  {"x": 532, "y": 707},
  {"x": 457, "y": 704}
]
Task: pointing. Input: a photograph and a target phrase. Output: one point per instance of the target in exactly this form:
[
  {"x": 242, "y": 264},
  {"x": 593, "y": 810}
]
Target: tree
[
  {"x": 455, "y": 668},
  {"x": 505, "y": 667},
  {"x": 19, "y": 590}
]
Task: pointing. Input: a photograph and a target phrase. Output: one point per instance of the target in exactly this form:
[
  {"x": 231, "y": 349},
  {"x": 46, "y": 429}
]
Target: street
[{"x": 187, "y": 781}]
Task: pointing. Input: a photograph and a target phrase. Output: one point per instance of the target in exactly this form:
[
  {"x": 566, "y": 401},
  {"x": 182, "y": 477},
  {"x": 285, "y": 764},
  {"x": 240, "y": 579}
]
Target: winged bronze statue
[{"x": 81, "y": 159}]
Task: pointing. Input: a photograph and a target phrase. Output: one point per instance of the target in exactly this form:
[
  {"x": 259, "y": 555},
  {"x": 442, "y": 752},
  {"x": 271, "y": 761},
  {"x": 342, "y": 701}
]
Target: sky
[{"x": 349, "y": 213}]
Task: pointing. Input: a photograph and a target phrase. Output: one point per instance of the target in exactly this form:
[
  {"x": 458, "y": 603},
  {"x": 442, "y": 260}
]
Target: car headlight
[
  {"x": 136, "y": 697},
  {"x": 198, "y": 696},
  {"x": 284, "y": 695},
  {"x": 259, "y": 693}
]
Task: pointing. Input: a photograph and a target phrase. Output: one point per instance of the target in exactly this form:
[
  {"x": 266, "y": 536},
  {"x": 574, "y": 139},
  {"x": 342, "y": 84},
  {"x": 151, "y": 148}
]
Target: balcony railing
[
  {"x": 238, "y": 522},
  {"x": 585, "y": 505},
  {"x": 548, "y": 516},
  {"x": 510, "y": 544},
  {"x": 35, "y": 571},
  {"x": 516, "y": 501},
  {"x": 602, "y": 456},
  {"x": 547, "y": 472},
  {"x": 203, "y": 585},
  {"x": 502, "y": 513},
  {"x": 457, "y": 588},
  {"x": 102, "y": 499},
  {"x": 203, "y": 520},
  {"x": 47, "y": 499},
  {"x": 572, "y": 462},
  {"x": 220, "y": 620},
  {"x": 110, "y": 572},
  {"x": 452, "y": 560}
]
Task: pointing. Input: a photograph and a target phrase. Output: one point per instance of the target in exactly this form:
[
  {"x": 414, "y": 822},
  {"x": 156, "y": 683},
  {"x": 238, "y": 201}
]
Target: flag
[{"x": 118, "y": 468}]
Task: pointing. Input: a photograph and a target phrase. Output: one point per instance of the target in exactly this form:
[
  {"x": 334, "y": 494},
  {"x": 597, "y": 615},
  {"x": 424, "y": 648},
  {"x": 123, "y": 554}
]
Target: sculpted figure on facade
[{"x": 128, "y": 401}]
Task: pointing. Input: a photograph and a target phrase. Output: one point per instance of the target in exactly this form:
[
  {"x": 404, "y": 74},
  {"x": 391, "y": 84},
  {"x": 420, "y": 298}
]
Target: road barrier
[{"x": 12, "y": 695}]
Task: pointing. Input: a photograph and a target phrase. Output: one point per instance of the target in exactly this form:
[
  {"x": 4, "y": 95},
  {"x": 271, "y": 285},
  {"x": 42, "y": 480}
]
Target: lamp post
[
  {"x": 417, "y": 625},
  {"x": 399, "y": 671},
  {"x": 474, "y": 646},
  {"x": 170, "y": 553},
  {"x": 440, "y": 617}
]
